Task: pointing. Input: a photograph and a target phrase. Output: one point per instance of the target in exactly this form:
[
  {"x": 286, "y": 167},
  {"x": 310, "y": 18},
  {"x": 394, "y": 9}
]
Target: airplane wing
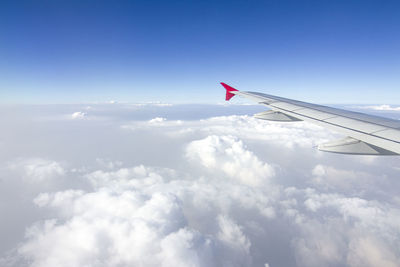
[{"x": 366, "y": 134}]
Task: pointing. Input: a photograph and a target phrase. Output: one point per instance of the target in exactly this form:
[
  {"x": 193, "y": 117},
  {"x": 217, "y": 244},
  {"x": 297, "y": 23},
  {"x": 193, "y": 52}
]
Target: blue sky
[{"x": 178, "y": 51}]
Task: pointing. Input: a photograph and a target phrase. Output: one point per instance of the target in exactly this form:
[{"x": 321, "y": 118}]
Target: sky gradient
[{"x": 179, "y": 51}]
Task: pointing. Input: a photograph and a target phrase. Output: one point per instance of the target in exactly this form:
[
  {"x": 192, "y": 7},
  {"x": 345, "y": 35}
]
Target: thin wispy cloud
[{"x": 380, "y": 107}]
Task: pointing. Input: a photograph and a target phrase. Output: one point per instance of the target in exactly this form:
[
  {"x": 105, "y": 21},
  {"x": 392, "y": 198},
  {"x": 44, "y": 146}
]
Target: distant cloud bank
[{"x": 380, "y": 107}]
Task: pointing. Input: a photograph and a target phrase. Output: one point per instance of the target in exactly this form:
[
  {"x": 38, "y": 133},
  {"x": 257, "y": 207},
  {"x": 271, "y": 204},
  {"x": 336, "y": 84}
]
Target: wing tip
[{"x": 228, "y": 89}]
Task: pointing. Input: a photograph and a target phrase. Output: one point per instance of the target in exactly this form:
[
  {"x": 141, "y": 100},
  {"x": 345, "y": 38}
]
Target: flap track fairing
[
  {"x": 353, "y": 146},
  {"x": 272, "y": 115}
]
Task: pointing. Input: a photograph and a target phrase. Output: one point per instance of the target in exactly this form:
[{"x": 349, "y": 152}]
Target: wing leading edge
[{"x": 367, "y": 134}]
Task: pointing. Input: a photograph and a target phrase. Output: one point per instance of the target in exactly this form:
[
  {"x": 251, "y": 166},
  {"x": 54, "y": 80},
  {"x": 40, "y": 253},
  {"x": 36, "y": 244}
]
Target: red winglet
[{"x": 229, "y": 89}]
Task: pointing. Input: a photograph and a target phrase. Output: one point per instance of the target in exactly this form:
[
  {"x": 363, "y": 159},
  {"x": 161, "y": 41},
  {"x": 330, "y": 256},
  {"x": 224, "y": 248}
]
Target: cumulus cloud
[
  {"x": 37, "y": 169},
  {"x": 368, "y": 251},
  {"x": 166, "y": 190},
  {"x": 121, "y": 229},
  {"x": 228, "y": 154},
  {"x": 339, "y": 223},
  {"x": 237, "y": 243},
  {"x": 154, "y": 217},
  {"x": 341, "y": 179},
  {"x": 78, "y": 115},
  {"x": 299, "y": 134},
  {"x": 157, "y": 120},
  {"x": 124, "y": 226}
]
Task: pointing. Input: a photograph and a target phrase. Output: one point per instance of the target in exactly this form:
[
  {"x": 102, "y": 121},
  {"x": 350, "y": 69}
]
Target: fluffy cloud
[
  {"x": 154, "y": 217},
  {"x": 78, "y": 115},
  {"x": 341, "y": 179},
  {"x": 176, "y": 191},
  {"x": 116, "y": 229},
  {"x": 292, "y": 135},
  {"x": 369, "y": 251},
  {"x": 341, "y": 229},
  {"x": 228, "y": 154},
  {"x": 157, "y": 120},
  {"x": 236, "y": 242},
  {"x": 124, "y": 226},
  {"x": 37, "y": 169}
]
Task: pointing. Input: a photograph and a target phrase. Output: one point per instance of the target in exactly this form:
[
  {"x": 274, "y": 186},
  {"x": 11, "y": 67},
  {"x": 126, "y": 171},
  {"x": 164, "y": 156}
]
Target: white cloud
[
  {"x": 116, "y": 229},
  {"x": 78, "y": 115},
  {"x": 229, "y": 155},
  {"x": 222, "y": 191},
  {"x": 157, "y": 120},
  {"x": 368, "y": 251},
  {"x": 381, "y": 107},
  {"x": 37, "y": 169},
  {"x": 357, "y": 231},
  {"x": 108, "y": 163},
  {"x": 136, "y": 216},
  {"x": 144, "y": 216},
  {"x": 237, "y": 244},
  {"x": 320, "y": 244},
  {"x": 330, "y": 177},
  {"x": 292, "y": 135},
  {"x": 125, "y": 226}
]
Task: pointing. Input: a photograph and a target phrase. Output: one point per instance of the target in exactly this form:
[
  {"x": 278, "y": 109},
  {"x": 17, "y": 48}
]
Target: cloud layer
[{"x": 175, "y": 191}]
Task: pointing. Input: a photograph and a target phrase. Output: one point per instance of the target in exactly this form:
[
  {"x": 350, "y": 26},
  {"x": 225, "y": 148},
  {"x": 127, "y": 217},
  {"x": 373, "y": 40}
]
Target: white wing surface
[{"x": 366, "y": 134}]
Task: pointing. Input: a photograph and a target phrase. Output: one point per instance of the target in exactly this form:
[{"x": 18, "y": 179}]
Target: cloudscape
[
  {"x": 157, "y": 185},
  {"x": 118, "y": 149}
]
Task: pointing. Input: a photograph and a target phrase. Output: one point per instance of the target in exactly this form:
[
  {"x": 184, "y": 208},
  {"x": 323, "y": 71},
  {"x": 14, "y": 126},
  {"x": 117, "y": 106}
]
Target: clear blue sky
[{"x": 324, "y": 51}]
